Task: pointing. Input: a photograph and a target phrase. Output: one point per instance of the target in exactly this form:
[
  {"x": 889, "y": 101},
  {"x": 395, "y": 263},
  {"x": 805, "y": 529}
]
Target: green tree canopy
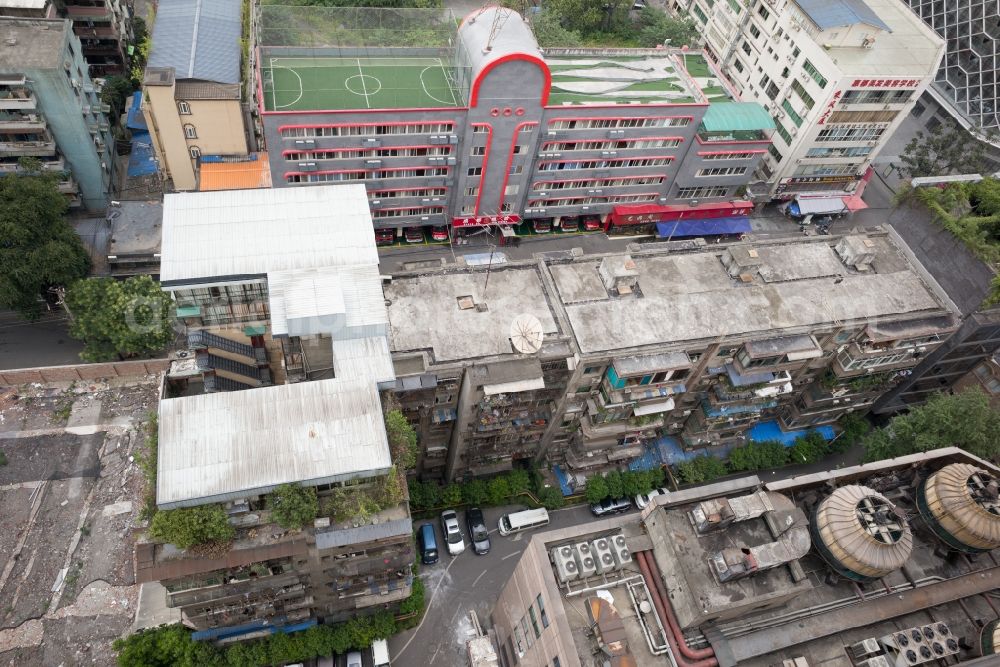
[
  {"x": 950, "y": 149},
  {"x": 127, "y": 318},
  {"x": 189, "y": 526},
  {"x": 402, "y": 439},
  {"x": 293, "y": 505},
  {"x": 597, "y": 489},
  {"x": 38, "y": 248},
  {"x": 963, "y": 420},
  {"x": 700, "y": 469}
]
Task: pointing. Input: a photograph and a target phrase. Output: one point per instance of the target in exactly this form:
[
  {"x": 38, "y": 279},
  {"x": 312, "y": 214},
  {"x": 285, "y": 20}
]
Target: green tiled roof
[{"x": 736, "y": 116}]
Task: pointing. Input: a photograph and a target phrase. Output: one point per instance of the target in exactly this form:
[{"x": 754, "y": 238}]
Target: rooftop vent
[
  {"x": 742, "y": 262},
  {"x": 960, "y": 504},
  {"x": 857, "y": 252},
  {"x": 619, "y": 274}
]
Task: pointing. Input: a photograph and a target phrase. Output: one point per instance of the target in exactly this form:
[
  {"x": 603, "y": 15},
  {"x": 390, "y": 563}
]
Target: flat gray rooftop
[
  {"x": 31, "y": 43},
  {"x": 691, "y": 296},
  {"x": 424, "y": 311}
]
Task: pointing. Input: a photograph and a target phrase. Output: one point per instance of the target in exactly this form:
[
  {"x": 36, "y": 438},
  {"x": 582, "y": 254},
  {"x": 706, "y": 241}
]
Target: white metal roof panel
[
  {"x": 514, "y": 387},
  {"x": 364, "y": 358},
  {"x": 263, "y": 230},
  {"x": 216, "y": 447},
  {"x": 200, "y": 39}
]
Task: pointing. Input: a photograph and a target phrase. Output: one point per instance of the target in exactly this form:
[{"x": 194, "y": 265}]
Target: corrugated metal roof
[
  {"x": 265, "y": 230},
  {"x": 367, "y": 533},
  {"x": 200, "y": 39},
  {"x": 241, "y": 175},
  {"x": 188, "y": 89},
  {"x": 736, "y": 116},
  {"x": 342, "y": 301},
  {"x": 828, "y": 14},
  {"x": 364, "y": 357},
  {"x": 227, "y": 445}
]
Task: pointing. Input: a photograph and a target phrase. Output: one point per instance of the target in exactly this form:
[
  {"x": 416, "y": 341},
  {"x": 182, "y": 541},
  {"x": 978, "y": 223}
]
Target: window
[
  {"x": 529, "y": 638},
  {"x": 511, "y": 190},
  {"x": 851, "y": 133},
  {"x": 195, "y": 152},
  {"x": 738, "y": 65},
  {"x": 506, "y": 207},
  {"x": 796, "y": 118},
  {"x": 555, "y": 662},
  {"x": 764, "y": 14},
  {"x": 722, "y": 171},
  {"x": 190, "y": 132},
  {"x": 803, "y": 95},
  {"x": 764, "y": 81},
  {"x": 589, "y": 370},
  {"x": 991, "y": 383},
  {"x": 839, "y": 151},
  {"x": 826, "y": 170},
  {"x": 480, "y": 129},
  {"x": 796, "y": 51},
  {"x": 183, "y": 108},
  {"x": 773, "y": 91},
  {"x": 363, "y": 130},
  {"x": 475, "y": 171},
  {"x": 784, "y": 73},
  {"x": 541, "y": 610},
  {"x": 814, "y": 73},
  {"x": 782, "y": 132},
  {"x": 471, "y": 192},
  {"x": 534, "y": 622},
  {"x": 692, "y": 193},
  {"x": 516, "y": 169},
  {"x": 735, "y": 6},
  {"x": 746, "y": 48},
  {"x": 478, "y": 150},
  {"x": 699, "y": 13},
  {"x": 863, "y": 116},
  {"x": 518, "y": 149},
  {"x": 755, "y": 31},
  {"x": 519, "y": 645},
  {"x": 778, "y": 157},
  {"x": 612, "y": 123},
  {"x": 747, "y": 155}
]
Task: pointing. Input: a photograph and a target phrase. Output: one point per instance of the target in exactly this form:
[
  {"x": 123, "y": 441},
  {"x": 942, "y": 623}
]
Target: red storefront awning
[
  {"x": 644, "y": 214},
  {"x": 485, "y": 220}
]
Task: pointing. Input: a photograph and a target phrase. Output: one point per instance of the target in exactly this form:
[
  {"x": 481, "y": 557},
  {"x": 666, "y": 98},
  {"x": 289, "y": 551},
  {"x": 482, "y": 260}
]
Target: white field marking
[
  {"x": 363, "y": 86},
  {"x": 451, "y": 90},
  {"x": 476, "y": 581},
  {"x": 427, "y": 92},
  {"x": 299, "y": 78}
]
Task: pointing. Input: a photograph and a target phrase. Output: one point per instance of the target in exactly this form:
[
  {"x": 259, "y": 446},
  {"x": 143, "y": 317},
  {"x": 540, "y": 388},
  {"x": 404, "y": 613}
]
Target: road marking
[
  {"x": 438, "y": 649},
  {"x": 478, "y": 578},
  {"x": 430, "y": 602},
  {"x": 516, "y": 553}
]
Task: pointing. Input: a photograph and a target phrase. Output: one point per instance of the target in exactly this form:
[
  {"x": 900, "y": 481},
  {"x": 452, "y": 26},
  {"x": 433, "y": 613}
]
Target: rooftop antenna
[
  {"x": 526, "y": 333},
  {"x": 500, "y": 16}
]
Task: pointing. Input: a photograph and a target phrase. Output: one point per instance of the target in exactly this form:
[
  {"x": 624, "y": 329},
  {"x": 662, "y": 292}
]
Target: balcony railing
[
  {"x": 16, "y": 98},
  {"x": 28, "y": 148}
]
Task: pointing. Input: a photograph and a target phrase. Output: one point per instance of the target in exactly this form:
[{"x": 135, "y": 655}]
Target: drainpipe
[{"x": 704, "y": 657}]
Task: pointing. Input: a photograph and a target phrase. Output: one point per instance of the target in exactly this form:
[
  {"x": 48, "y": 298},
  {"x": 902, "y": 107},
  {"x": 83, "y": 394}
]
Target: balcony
[
  {"x": 86, "y": 12},
  {"x": 17, "y": 122},
  {"x": 28, "y": 148},
  {"x": 776, "y": 354},
  {"x": 16, "y": 99},
  {"x": 854, "y": 361},
  {"x": 68, "y": 187}
]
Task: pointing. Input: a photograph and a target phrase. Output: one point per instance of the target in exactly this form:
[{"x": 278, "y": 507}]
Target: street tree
[
  {"x": 39, "y": 250},
  {"x": 965, "y": 420},
  {"x": 118, "y": 319},
  {"x": 951, "y": 149}
]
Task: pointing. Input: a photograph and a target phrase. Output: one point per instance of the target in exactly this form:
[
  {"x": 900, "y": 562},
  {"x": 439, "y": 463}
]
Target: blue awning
[
  {"x": 674, "y": 229},
  {"x": 135, "y": 119}
]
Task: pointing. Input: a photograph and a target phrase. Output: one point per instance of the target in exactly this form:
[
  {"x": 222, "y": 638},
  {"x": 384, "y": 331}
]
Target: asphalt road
[{"x": 43, "y": 343}]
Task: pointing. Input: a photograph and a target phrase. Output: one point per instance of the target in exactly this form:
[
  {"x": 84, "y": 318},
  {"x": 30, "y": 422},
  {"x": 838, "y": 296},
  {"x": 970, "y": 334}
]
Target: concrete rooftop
[
  {"x": 27, "y": 44},
  {"x": 424, "y": 311}
]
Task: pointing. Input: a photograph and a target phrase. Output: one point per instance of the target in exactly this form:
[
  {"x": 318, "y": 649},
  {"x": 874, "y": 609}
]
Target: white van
[
  {"x": 380, "y": 653},
  {"x": 526, "y": 520}
]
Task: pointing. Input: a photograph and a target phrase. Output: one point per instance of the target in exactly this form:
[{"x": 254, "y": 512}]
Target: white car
[
  {"x": 452, "y": 533},
  {"x": 354, "y": 659},
  {"x": 644, "y": 499}
]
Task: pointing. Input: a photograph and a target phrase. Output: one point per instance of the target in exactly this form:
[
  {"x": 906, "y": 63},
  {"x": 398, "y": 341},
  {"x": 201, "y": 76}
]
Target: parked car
[
  {"x": 478, "y": 533},
  {"x": 385, "y": 236},
  {"x": 591, "y": 225},
  {"x": 543, "y": 226},
  {"x": 452, "y": 533},
  {"x": 413, "y": 235},
  {"x": 354, "y": 659},
  {"x": 644, "y": 499},
  {"x": 428, "y": 544},
  {"x": 570, "y": 224},
  {"x": 439, "y": 233},
  {"x": 611, "y": 506}
]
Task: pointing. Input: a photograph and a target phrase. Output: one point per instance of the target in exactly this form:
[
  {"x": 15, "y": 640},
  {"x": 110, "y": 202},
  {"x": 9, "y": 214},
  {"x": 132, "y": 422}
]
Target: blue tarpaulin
[
  {"x": 770, "y": 430},
  {"x": 135, "y": 119},
  {"x": 703, "y": 227},
  {"x": 141, "y": 161},
  {"x": 563, "y": 478}
]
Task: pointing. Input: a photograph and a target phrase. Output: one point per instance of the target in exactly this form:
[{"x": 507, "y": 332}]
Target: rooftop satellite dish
[{"x": 526, "y": 333}]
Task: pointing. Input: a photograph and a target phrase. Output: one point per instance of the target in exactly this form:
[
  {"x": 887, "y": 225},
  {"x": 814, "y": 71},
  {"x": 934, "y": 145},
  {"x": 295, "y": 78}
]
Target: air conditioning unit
[
  {"x": 604, "y": 557},
  {"x": 877, "y": 661},
  {"x": 550, "y": 133},
  {"x": 621, "y": 551},
  {"x": 564, "y": 558},
  {"x": 793, "y": 130},
  {"x": 864, "y": 648},
  {"x": 585, "y": 559}
]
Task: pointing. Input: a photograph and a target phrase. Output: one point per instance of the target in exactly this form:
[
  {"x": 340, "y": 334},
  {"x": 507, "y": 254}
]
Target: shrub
[
  {"x": 402, "y": 439},
  {"x": 853, "y": 429},
  {"x": 414, "y": 603},
  {"x": 551, "y": 498},
  {"x": 616, "y": 489},
  {"x": 292, "y": 505},
  {"x": 808, "y": 448},
  {"x": 701, "y": 469},
  {"x": 475, "y": 492},
  {"x": 518, "y": 480},
  {"x": 597, "y": 489},
  {"x": 451, "y": 495},
  {"x": 498, "y": 490},
  {"x": 424, "y": 495},
  {"x": 758, "y": 456},
  {"x": 191, "y": 525}
]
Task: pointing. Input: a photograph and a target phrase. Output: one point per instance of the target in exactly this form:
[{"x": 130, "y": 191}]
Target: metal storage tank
[
  {"x": 860, "y": 533},
  {"x": 959, "y": 503}
]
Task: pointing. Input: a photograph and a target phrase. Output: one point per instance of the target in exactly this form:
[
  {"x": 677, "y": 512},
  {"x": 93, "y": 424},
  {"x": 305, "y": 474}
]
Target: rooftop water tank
[
  {"x": 860, "y": 534},
  {"x": 959, "y": 503}
]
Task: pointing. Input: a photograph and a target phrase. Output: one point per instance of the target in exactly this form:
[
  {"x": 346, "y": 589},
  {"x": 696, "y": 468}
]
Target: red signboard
[
  {"x": 486, "y": 220},
  {"x": 829, "y": 108},
  {"x": 886, "y": 83},
  {"x": 644, "y": 214}
]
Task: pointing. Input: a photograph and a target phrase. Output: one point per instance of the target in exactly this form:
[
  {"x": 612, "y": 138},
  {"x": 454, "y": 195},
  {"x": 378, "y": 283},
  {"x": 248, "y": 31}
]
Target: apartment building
[
  {"x": 833, "y": 568},
  {"x": 692, "y": 345},
  {"x": 50, "y": 110},
  {"x": 298, "y": 298},
  {"x": 192, "y": 87},
  {"x": 477, "y": 128},
  {"x": 104, "y": 28},
  {"x": 838, "y": 77}
]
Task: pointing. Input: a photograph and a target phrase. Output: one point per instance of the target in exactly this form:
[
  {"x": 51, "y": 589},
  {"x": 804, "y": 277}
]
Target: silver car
[{"x": 452, "y": 533}]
